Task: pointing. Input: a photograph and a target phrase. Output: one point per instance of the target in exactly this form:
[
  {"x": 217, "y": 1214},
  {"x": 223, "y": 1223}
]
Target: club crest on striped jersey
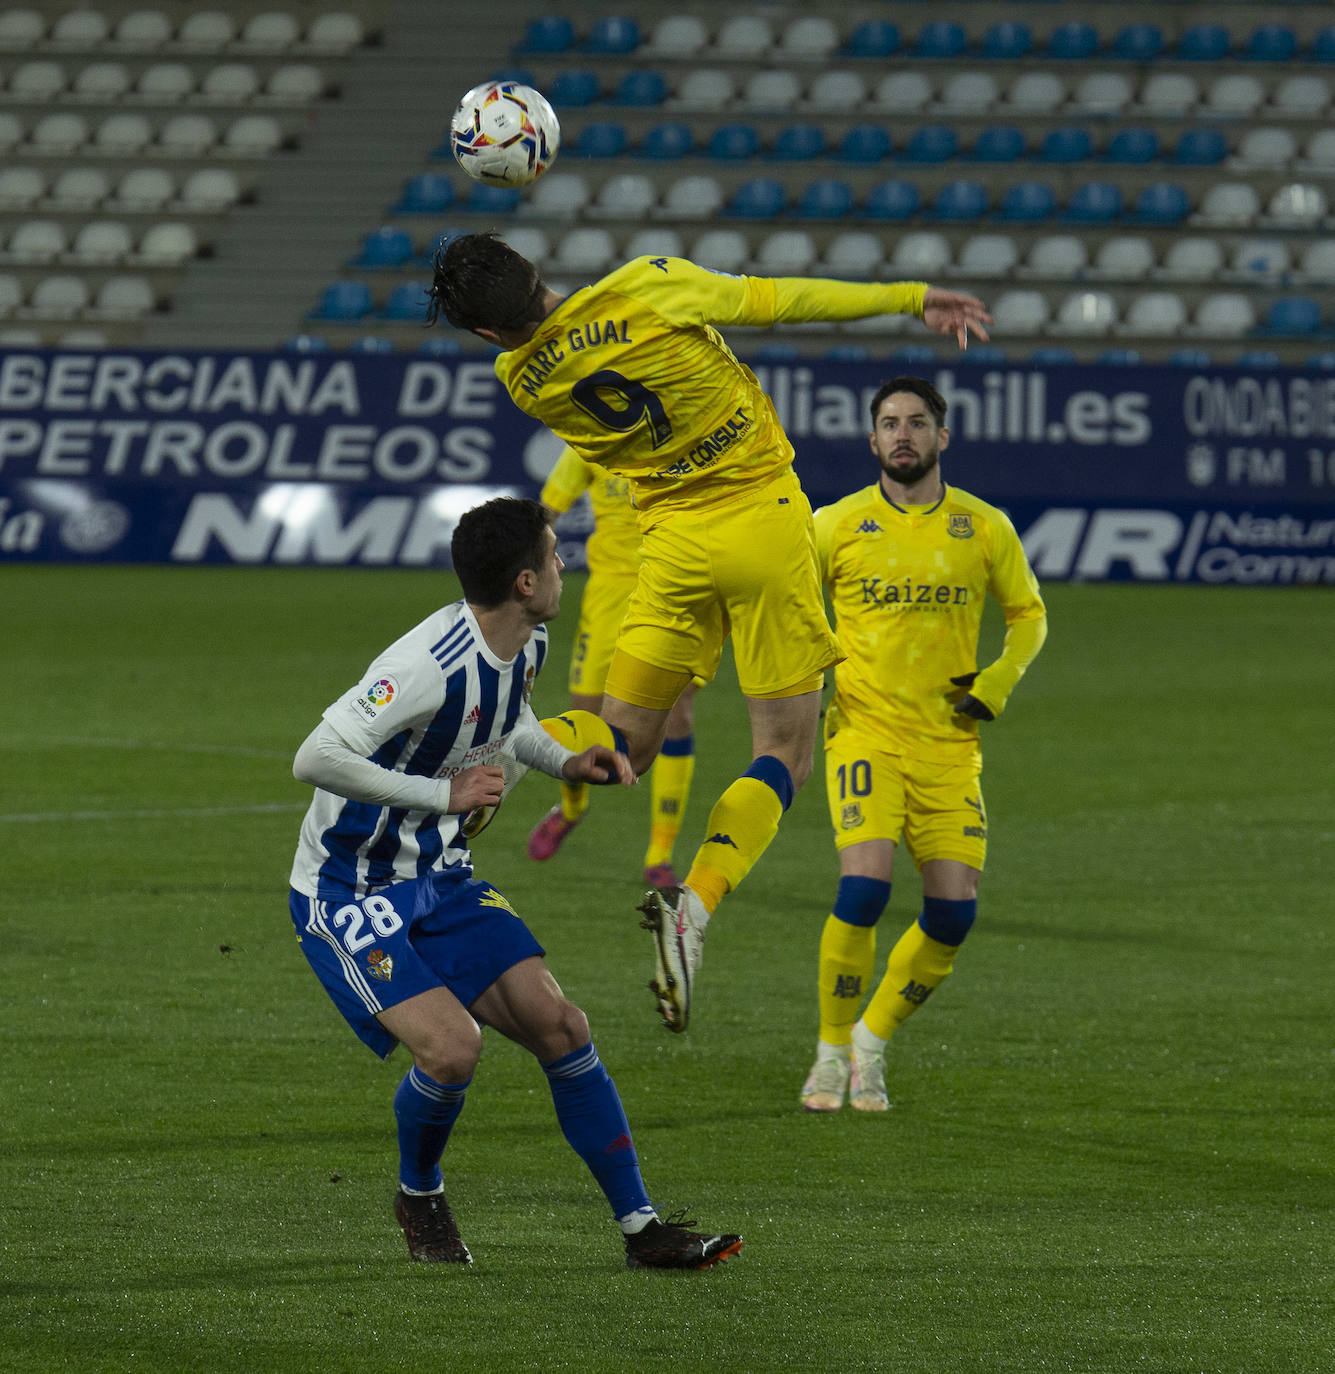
[{"x": 380, "y": 965}]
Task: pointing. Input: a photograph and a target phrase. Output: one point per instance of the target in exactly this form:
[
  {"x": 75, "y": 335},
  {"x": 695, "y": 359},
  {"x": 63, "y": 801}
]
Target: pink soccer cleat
[{"x": 545, "y": 838}]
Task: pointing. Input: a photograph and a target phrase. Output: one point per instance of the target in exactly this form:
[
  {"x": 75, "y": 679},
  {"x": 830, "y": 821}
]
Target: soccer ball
[{"x": 504, "y": 134}]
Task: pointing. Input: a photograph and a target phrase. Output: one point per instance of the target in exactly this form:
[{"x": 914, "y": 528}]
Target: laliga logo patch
[
  {"x": 380, "y": 694},
  {"x": 380, "y": 965},
  {"x": 960, "y": 527}
]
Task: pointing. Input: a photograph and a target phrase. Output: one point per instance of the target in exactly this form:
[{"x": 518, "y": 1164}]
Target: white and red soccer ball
[{"x": 504, "y": 134}]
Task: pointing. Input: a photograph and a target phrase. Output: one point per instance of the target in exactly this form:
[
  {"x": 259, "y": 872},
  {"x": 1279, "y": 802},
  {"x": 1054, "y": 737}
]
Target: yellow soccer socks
[
  {"x": 743, "y": 822},
  {"x": 848, "y": 954},
  {"x": 669, "y": 788},
  {"x": 919, "y": 963}
]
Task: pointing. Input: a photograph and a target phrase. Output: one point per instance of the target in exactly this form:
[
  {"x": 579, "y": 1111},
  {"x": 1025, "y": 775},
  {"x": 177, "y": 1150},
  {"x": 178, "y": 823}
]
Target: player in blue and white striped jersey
[{"x": 411, "y": 947}]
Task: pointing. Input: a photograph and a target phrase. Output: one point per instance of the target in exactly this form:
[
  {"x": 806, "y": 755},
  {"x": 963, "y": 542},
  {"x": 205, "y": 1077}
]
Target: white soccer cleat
[
  {"x": 826, "y": 1085},
  {"x": 674, "y": 915},
  {"x": 866, "y": 1085}
]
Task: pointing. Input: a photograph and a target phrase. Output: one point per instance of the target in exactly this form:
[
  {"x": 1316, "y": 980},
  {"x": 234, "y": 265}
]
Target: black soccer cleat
[
  {"x": 667, "y": 1244},
  {"x": 429, "y": 1228}
]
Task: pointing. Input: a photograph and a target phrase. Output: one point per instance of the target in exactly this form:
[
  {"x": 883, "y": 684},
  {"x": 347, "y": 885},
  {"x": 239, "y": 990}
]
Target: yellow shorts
[
  {"x": 873, "y": 795},
  {"x": 747, "y": 569},
  {"x": 600, "y": 613}
]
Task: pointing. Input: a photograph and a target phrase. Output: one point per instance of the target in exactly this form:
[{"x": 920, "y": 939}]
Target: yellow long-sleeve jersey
[
  {"x": 908, "y": 587},
  {"x": 633, "y": 374},
  {"x": 613, "y": 549}
]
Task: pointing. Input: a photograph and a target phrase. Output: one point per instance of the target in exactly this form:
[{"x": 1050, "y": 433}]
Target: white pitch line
[
  {"x": 165, "y": 813},
  {"x": 80, "y": 742}
]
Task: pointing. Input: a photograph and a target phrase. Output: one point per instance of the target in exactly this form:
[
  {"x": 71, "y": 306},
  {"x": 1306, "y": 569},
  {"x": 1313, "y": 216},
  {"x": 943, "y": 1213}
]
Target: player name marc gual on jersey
[{"x": 578, "y": 337}]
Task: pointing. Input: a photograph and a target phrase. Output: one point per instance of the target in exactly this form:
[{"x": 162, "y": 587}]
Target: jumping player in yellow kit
[
  {"x": 909, "y": 563},
  {"x": 613, "y": 554},
  {"x": 632, "y": 373}
]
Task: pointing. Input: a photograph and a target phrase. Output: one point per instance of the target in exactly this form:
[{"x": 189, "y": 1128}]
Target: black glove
[{"x": 968, "y": 704}]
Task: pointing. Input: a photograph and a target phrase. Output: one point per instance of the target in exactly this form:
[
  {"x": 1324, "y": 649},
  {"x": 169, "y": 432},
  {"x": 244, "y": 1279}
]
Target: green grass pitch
[{"x": 1111, "y": 1144}]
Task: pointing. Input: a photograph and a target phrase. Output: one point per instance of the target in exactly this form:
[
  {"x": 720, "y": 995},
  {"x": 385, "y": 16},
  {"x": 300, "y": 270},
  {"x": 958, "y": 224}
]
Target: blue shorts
[{"x": 442, "y": 930}]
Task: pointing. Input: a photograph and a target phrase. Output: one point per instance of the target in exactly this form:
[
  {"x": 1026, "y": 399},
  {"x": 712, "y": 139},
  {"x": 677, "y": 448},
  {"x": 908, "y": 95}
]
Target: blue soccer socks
[{"x": 426, "y": 1112}]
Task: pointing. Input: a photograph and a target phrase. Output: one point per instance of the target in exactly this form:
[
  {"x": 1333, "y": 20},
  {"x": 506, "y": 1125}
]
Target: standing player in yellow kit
[
  {"x": 909, "y": 563},
  {"x": 613, "y": 552},
  {"x": 632, "y": 373}
]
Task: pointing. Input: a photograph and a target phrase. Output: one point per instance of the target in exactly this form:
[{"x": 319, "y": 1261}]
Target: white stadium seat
[
  {"x": 1317, "y": 266},
  {"x": 745, "y": 38},
  {"x": 969, "y": 93},
  {"x": 211, "y": 189},
  {"x": 1059, "y": 256},
  {"x": 628, "y": 195},
  {"x": 57, "y": 135},
  {"x": 142, "y": 189},
  {"x": 558, "y": 195},
  {"x": 1169, "y": 95},
  {"x": 334, "y": 34},
  {"x": 693, "y": 197},
  {"x": 20, "y": 187},
  {"x": 1302, "y": 97},
  {"x": 229, "y": 83},
  {"x": 1194, "y": 258},
  {"x": 101, "y": 81},
  {"x": 658, "y": 242},
  {"x": 1225, "y": 315},
  {"x": 902, "y": 92},
  {"x": 272, "y": 31},
  {"x": 122, "y": 135},
  {"x": 100, "y": 242},
  {"x": 1035, "y": 93},
  {"x": 921, "y": 255},
  {"x": 188, "y": 135},
  {"x": 1122, "y": 257},
  {"x": 206, "y": 31},
  {"x": 79, "y": 28},
  {"x": 770, "y": 91},
  {"x": 1101, "y": 93},
  {"x": 1020, "y": 312},
  {"x": 705, "y": 88},
  {"x": 295, "y": 83},
  {"x": 11, "y": 296},
  {"x": 809, "y": 38},
  {"x": 722, "y": 250},
  {"x": 78, "y": 189},
  {"x": 529, "y": 242},
  {"x": 1267, "y": 149},
  {"x": 165, "y": 244},
  {"x": 585, "y": 250},
  {"x": 141, "y": 31},
  {"x": 164, "y": 83},
  {"x": 1298, "y": 205},
  {"x": 1228, "y": 205},
  {"x": 59, "y": 297},
  {"x": 12, "y": 131},
  {"x": 123, "y": 298},
  {"x": 34, "y": 242},
  {"x": 21, "y": 28},
  {"x": 1155, "y": 313},
  {"x": 1257, "y": 261},
  {"x": 253, "y": 135},
  {"x": 988, "y": 257},
  {"x": 1088, "y": 313},
  {"x": 837, "y": 90},
  {"x": 677, "y": 36},
  {"x": 1318, "y": 155},
  {"x": 1237, "y": 94},
  {"x": 854, "y": 253},
  {"x": 36, "y": 81},
  {"x": 786, "y": 253}
]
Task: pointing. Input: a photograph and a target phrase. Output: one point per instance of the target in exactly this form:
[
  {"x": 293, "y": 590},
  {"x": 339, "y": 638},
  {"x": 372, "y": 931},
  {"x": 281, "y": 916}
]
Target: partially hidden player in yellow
[
  {"x": 613, "y": 552},
  {"x": 909, "y": 563},
  {"x": 633, "y": 374}
]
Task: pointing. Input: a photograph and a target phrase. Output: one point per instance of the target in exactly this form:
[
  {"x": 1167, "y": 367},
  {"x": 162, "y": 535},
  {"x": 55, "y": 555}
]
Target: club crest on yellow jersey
[{"x": 960, "y": 526}]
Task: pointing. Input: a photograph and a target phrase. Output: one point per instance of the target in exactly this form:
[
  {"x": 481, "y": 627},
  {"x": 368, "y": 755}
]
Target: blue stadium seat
[
  {"x": 643, "y": 87},
  {"x": 759, "y": 198},
  {"x": 1052, "y": 357},
  {"x": 574, "y": 87},
  {"x": 960, "y": 202},
  {"x": 601, "y": 140},
  {"x": 1118, "y": 357},
  {"x": 493, "y": 200},
  {"x": 428, "y": 258},
  {"x": 1271, "y": 43},
  {"x": 826, "y": 199},
  {"x": 1066, "y": 145},
  {"x": 799, "y": 143},
  {"x": 1258, "y": 359},
  {"x": 1094, "y": 202},
  {"x": 873, "y": 38},
  {"x": 1292, "y": 315},
  {"x": 865, "y": 143},
  {"x": 667, "y": 142},
  {"x": 984, "y": 355},
  {"x": 384, "y": 247},
  {"x": 1132, "y": 146},
  {"x": 913, "y": 355},
  {"x": 306, "y": 343},
  {"x": 931, "y": 143},
  {"x": 998, "y": 143},
  {"x": 849, "y": 353},
  {"x": 1204, "y": 43},
  {"x": 1321, "y": 362},
  {"x": 1073, "y": 41},
  {"x": 428, "y": 193},
  {"x": 440, "y": 346},
  {"x": 1007, "y": 41},
  {"x": 734, "y": 142},
  {"x": 1323, "y": 45},
  {"x": 343, "y": 300},
  {"x": 1189, "y": 357},
  {"x": 612, "y": 35},
  {"x": 1138, "y": 42},
  {"x": 407, "y": 301},
  {"x": 892, "y": 200},
  {"x": 1027, "y": 202},
  {"x": 776, "y": 353},
  {"x": 1161, "y": 202},
  {"x": 548, "y": 34},
  {"x": 1200, "y": 148},
  {"x": 940, "y": 38},
  {"x": 372, "y": 343}
]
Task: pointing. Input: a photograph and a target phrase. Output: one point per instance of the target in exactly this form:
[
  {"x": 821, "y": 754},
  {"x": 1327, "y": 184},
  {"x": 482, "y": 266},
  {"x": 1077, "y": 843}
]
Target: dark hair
[
  {"x": 921, "y": 388},
  {"x": 480, "y": 282},
  {"x": 493, "y": 543}
]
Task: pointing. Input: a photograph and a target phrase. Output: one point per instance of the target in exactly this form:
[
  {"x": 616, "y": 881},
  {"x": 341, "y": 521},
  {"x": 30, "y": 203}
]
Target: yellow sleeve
[
  {"x": 823, "y": 522},
  {"x": 1013, "y": 584},
  {"x": 567, "y": 481},
  {"x": 683, "y": 293}
]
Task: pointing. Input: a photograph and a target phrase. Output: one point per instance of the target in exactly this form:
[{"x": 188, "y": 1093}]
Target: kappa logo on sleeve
[{"x": 378, "y": 695}]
